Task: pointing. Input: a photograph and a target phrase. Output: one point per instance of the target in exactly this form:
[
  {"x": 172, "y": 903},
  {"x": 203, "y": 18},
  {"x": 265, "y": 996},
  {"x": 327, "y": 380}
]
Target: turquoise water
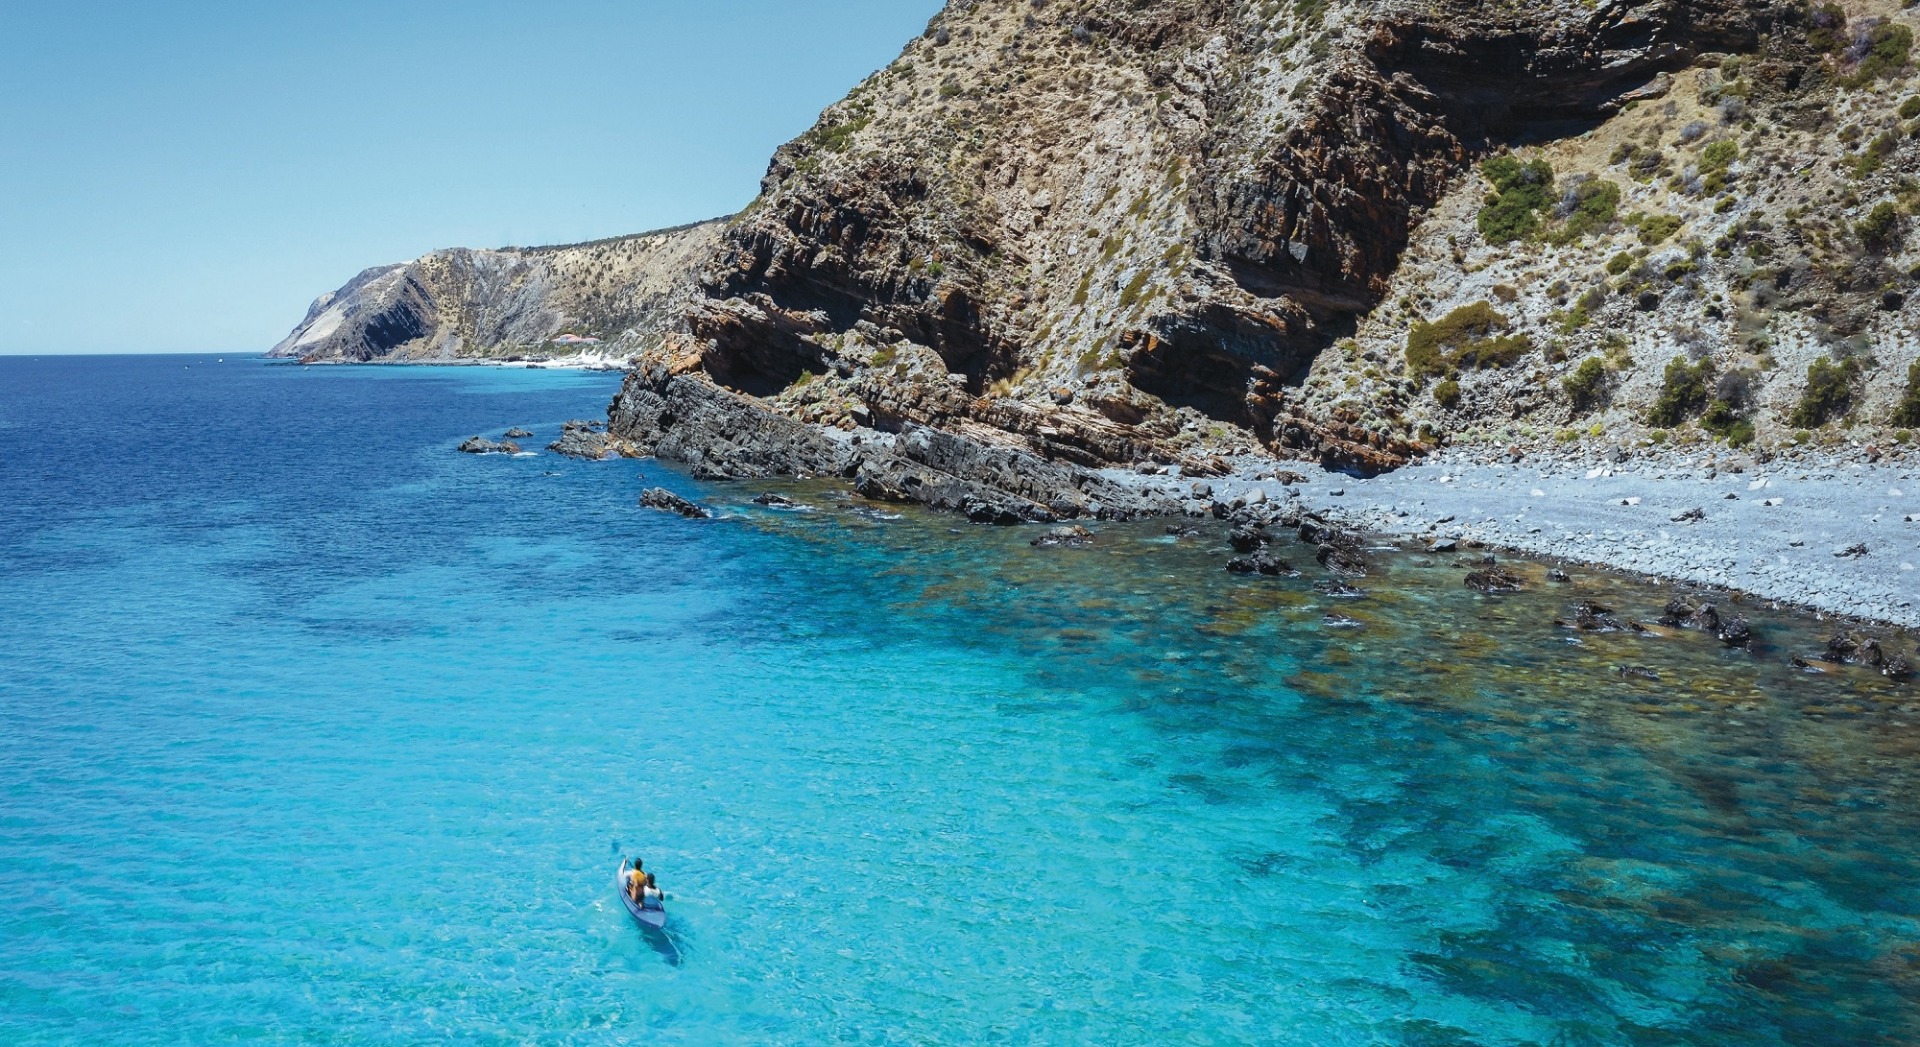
[{"x": 312, "y": 730}]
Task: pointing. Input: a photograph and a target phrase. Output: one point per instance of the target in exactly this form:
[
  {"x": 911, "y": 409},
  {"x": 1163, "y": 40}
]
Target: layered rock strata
[
  {"x": 1056, "y": 238},
  {"x": 1077, "y": 235}
]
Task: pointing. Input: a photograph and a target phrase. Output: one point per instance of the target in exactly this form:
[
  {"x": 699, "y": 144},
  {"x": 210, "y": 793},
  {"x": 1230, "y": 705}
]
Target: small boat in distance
[{"x": 650, "y": 917}]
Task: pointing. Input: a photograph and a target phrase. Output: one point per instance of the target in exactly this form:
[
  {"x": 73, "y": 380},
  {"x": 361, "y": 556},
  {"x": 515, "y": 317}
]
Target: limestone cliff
[
  {"x": 1160, "y": 231},
  {"x": 513, "y": 302}
]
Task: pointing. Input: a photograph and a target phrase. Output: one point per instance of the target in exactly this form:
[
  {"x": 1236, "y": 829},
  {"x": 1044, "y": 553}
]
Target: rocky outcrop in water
[
  {"x": 482, "y": 445},
  {"x": 725, "y": 434},
  {"x": 666, "y": 501},
  {"x": 589, "y": 441}
]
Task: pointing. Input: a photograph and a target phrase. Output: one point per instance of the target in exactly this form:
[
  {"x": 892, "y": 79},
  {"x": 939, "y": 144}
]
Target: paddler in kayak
[{"x": 637, "y": 884}]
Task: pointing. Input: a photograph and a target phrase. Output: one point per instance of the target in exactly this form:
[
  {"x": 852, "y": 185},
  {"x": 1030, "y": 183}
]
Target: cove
[{"x": 312, "y": 729}]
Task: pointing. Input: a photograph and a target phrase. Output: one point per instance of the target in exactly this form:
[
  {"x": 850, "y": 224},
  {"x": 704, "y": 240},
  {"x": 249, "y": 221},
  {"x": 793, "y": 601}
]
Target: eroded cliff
[
  {"x": 1105, "y": 233},
  {"x": 512, "y": 302},
  {"x": 1058, "y": 236}
]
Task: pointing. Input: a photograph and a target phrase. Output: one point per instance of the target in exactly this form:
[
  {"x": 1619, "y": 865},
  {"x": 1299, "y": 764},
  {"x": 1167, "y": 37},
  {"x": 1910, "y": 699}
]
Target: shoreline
[
  {"x": 1787, "y": 533},
  {"x": 579, "y": 362}
]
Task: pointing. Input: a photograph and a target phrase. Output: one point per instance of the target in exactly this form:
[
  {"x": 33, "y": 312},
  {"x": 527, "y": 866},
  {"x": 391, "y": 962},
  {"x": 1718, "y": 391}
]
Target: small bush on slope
[
  {"x": 1683, "y": 392},
  {"x": 1586, "y": 385},
  {"x": 1523, "y": 192},
  {"x": 1829, "y": 393},
  {"x": 1907, "y": 413},
  {"x": 1467, "y": 337}
]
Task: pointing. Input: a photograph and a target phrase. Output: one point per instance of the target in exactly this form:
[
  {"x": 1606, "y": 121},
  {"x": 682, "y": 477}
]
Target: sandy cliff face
[
  {"x": 462, "y": 304},
  {"x": 1112, "y": 233}
]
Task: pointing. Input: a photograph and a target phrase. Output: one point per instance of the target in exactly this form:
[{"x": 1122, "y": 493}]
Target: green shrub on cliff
[
  {"x": 1829, "y": 393},
  {"x": 1595, "y": 203},
  {"x": 1889, "y": 47},
  {"x": 1875, "y": 154},
  {"x": 1583, "y": 309},
  {"x": 1587, "y": 385},
  {"x": 1907, "y": 412},
  {"x": 1725, "y": 419},
  {"x": 1829, "y": 32},
  {"x": 1656, "y": 229},
  {"x": 1683, "y": 392},
  {"x": 1715, "y": 160},
  {"x": 1880, "y": 230},
  {"x": 1521, "y": 193},
  {"x": 1470, "y": 336},
  {"x": 836, "y": 138},
  {"x": 1447, "y": 393}
]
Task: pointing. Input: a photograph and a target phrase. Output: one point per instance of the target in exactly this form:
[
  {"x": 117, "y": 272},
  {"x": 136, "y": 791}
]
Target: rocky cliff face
[
  {"x": 1103, "y": 233},
  {"x": 1057, "y": 236},
  {"x": 513, "y": 302}
]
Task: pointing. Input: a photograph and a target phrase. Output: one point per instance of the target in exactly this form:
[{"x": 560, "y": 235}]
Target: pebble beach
[{"x": 1831, "y": 536}]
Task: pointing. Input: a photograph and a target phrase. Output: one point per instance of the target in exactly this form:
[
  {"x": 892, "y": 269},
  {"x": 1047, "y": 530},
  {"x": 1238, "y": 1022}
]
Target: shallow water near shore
[{"x": 312, "y": 729}]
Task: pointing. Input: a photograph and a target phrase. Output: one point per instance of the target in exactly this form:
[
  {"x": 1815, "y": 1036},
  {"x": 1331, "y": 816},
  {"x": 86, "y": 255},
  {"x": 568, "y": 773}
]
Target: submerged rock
[
  {"x": 1591, "y": 617},
  {"x": 1264, "y": 563},
  {"x": 1248, "y": 537},
  {"x": 1066, "y": 536},
  {"x": 1707, "y": 618},
  {"x": 1339, "y": 552},
  {"x": 1735, "y": 632},
  {"x": 1856, "y": 648},
  {"x": 1681, "y": 613},
  {"x": 1494, "y": 580}
]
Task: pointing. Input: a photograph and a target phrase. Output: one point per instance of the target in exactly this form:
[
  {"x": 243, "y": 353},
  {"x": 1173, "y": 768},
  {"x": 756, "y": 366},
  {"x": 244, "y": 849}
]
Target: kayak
[{"x": 650, "y": 917}]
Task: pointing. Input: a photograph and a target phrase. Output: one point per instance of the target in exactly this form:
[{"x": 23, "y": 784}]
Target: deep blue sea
[{"x": 313, "y": 730}]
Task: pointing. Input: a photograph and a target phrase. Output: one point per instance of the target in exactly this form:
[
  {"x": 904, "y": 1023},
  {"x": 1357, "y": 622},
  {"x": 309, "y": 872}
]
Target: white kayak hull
[{"x": 650, "y": 917}]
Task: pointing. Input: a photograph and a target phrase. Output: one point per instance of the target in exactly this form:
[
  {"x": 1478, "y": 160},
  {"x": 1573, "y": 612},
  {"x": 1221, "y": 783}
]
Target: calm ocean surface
[{"x": 313, "y": 730}]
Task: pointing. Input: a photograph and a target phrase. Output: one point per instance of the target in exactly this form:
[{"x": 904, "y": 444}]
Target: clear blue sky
[{"x": 188, "y": 176}]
